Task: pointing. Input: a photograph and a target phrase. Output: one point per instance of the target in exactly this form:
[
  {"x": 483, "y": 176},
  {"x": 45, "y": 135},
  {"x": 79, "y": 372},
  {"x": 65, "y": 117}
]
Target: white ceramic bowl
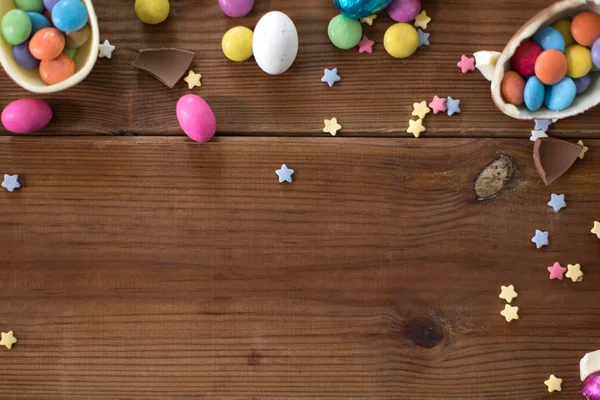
[
  {"x": 565, "y": 9},
  {"x": 85, "y": 58}
]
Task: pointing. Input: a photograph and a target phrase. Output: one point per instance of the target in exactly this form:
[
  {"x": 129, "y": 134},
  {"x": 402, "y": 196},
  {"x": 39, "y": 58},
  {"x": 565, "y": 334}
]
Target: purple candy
[
  {"x": 236, "y": 8},
  {"x": 23, "y": 56},
  {"x": 591, "y": 386},
  {"x": 49, "y": 4},
  {"x": 404, "y": 10},
  {"x": 582, "y": 84},
  {"x": 596, "y": 53}
]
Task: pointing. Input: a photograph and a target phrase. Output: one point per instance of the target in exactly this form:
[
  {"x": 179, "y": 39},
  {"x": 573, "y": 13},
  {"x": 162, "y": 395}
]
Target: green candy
[
  {"x": 30, "y": 5},
  {"x": 70, "y": 52},
  {"x": 15, "y": 27},
  {"x": 344, "y": 32},
  {"x": 595, "y": 69}
]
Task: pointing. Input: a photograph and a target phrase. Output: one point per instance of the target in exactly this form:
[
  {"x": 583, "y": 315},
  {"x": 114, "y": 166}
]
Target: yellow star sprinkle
[
  {"x": 416, "y": 127},
  {"x": 553, "y": 384},
  {"x": 574, "y": 272},
  {"x": 332, "y": 126},
  {"x": 369, "y": 20},
  {"x": 582, "y": 154},
  {"x": 596, "y": 229},
  {"x": 510, "y": 312},
  {"x": 8, "y": 339},
  {"x": 420, "y": 109},
  {"x": 422, "y": 20},
  {"x": 508, "y": 293},
  {"x": 193, "y": 80}
]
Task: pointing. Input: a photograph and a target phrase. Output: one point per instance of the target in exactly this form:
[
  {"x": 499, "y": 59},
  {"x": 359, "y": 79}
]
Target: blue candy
[
  {"x": 582, "y": 84},
  {"x": 69, "y": 15},
  {"x": 561, "y": 95},
  {"x": 38, "y": 21},
  {"x": 549, "y": 38},
  {"x": 357, "y": 9},
  {"x": 534, "y": 94}
]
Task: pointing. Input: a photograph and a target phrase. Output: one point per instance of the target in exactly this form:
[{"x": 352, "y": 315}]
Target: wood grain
[
  {"x": 375, "y": 97},
  {"x": 155, "y": 268}
]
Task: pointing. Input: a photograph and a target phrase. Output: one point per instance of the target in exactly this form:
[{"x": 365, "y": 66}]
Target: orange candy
[
  {"x": 57, "y": 70},
  {"x": 551, "y": 67},
  {"x": 585, "y": 28},
  {"x": 47, "y": 44},
  {"x": 512, "y": 88}
]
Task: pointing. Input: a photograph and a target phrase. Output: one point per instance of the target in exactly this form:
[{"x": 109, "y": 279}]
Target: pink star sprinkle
[
  {"x": 365, "y": 45},
  {"x": 438, "y": 105},
  {"x": 556, "y": 271},
  {"x": 466, "y": 64}
]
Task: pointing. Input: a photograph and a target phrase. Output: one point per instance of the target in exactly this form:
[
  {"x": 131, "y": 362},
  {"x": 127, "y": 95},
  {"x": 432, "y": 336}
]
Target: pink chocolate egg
[
  {"x": 26, "y": 115},
  {"x": 196, "y": 118}
]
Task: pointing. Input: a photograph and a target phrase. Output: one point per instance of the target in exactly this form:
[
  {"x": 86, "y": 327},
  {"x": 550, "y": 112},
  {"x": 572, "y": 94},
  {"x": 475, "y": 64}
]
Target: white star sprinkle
[
  {"x": 535, "y": 135},
  {"x": 11, "y": 182},
  {"x": 285, "y": 174},
  {"x": 106, "y": 50}
]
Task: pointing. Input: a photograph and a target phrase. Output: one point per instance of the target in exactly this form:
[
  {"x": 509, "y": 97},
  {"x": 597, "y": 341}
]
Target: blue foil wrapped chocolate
[{"x": 361, "y": 8}]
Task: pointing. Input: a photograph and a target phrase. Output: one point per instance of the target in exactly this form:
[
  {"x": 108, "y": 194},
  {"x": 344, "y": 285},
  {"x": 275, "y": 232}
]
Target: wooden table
[{"x": 137, "y": 264}]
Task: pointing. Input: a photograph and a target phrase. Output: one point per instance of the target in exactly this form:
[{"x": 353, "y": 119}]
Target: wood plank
[
  {"x": 375, "y": 96},
  {"x": 153, "y": 268}
]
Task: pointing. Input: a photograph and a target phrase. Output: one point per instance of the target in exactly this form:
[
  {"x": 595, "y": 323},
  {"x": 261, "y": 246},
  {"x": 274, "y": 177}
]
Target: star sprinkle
[
  {"x": 554, "y": 384},
  {"x": 285, "y": 174},
  {"x": 542, "y": 124},
  {"x": 508, "y": 293},
  {"x": 540, "y": 239},
  {"x": 595, "y": 230},
  {"x": 331, "y": 76},
  {"x": 535, "y": 135},
  {"x": 574, "y": 272},
  {"x": 11, "y": 182},
  {"x": 453, "y": 106},
  {"x": 422, "y": 20},
  {"x": 8, "y": 339},
  {"x": 557, "y": 201},
  {"x": 466, "y": 64},
  {"x": 583, "y": 150},
  {"x": 510, "y": 312},
  {"x": 193, "y": 80},
  {"x": 332, "y": 126},
  {"x": 438, "y": 105},
  {"x": 365, "y": 45},
  {"x": 106, "y": 50},
  {"x": 416, "y": 127},
  {"x": 420, "y": 109},
  {"x": 423, "y": 37},
  {"x": 557, "y": 271},
  {"x": 369, "y": 20}
]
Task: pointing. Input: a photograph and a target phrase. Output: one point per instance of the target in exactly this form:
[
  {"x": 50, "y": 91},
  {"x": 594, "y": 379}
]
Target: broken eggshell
[{"x": 565, "y": 9}]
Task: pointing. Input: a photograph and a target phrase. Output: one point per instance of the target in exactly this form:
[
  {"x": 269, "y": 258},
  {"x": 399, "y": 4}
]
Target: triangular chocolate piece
[
  {"x": 167, "y": 65},
  {"x": 554, "y": 157}
]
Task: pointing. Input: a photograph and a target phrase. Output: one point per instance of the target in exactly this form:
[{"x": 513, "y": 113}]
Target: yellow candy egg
[
  {"x": 152, "y": 12},
  {"x": 564, "y": 27},
  {"x": 401, "y": 40},
  {"x": 579, "y": 60},
  {"x": 237, "y": 43}
]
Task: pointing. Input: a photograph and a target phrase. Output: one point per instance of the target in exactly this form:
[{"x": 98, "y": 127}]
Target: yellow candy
[
  {"x": 401, "y": 40},
  {"x": 579, "y": 60},
  {"x": 237, "y": 44},
  {"x": 152, "y": 12},
  {"x": 564, "y": 27}
]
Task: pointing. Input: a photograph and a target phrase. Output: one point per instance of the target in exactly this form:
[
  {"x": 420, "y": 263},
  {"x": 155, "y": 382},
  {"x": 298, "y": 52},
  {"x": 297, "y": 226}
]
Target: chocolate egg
[{"x": 361, "y": 8}]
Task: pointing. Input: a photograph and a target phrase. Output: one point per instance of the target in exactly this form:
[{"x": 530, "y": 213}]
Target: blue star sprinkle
[
  {"x": 11, "y": 182},
  {"x": 542, "y": 124},
  {"x": 557, "y": 202},
  {"x": 330, "y": 76},
  {"x": 453, "y": 106},
  {"x": 285, "y": 174},
  {"x": 423, "y": 37},
  {"x": 540, "y": 239}
]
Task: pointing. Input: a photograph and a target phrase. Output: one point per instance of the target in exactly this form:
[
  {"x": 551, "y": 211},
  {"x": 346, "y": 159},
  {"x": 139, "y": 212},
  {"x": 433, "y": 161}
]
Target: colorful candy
[
  {"x": 236, "y": 8},
  {"x": 78, "y": 38},
  {"x": 401, "y": 40},
  {"x": 15, "y": 26},
  {"x": 30, "y": 5},
  {"x": 237, "y": 44},
  {"x": 549, "y": 38},
  {"x": 49, "y": 4},
  {"x": 69, "y": 15},
  {"x": 564, "y": 27},
  {"x": 534, "y": 94},
  {"x": 579, "y": 60},
  {"x": 47, "y": 44},
  {"x": 196, "y": 118},
  {"x": 551, "y": 67},
  {"x": 596, "y": 54},
  {"x": 512, "y": 88},
  {"x": 404, "y": 10},
  {"x": 344, "y": 32},
  {"x": 582, "y": 84},
  {"x": 585, "y": 28},
  {"x": 152, "y": 12},
  {"x": 23, "y": 56},
  {"x": 523, "y": 61},
  {"x": 561, "y": 95},
  {"x": 57, "y": 70},
  {"x": 38, "y": 21},
  {"x": 26, "y": 115}
]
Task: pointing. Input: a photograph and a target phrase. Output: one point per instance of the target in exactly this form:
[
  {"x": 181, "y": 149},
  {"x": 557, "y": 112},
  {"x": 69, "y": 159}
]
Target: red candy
[{"x": 523, "y": 61}]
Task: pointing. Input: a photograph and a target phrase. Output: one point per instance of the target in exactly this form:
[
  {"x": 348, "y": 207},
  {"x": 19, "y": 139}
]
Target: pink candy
[
  {"x": 404, "y": 10},
  {"x": 196, "y": 118},
  {"x": 26, "y": 115}
]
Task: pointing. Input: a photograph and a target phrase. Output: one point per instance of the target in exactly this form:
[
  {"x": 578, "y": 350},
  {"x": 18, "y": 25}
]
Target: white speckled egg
[{"x": 275, "y": 43}]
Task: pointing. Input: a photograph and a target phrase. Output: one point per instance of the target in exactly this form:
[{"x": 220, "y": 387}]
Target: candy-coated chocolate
[
  {"x": 275, "y": 43},
  {"x": 551, "y": 67},
  {"x": 549, "y": 38},
  {"x": 49, "y": 4},
  {"x": 596, "y": 54},
  {"x": 236, "y": 8},
  {"x": 196, "y": 118},
  {"x": 579, "y": 60},
  {"x": 585, "y": 28},
  {"x": 560, "y": 96},
  {"x": 534, "y": 94},
  {"x": 29, "y": 5},
  {"x": 15, "y": 26},
  {"x": 70, "y": 52},
  {"x": 152, "y": 12},
  {"x": 57, "y": 70},
  {"x": 524, "y": 58},
  {"x": 69, "y": 15},
  {"x": 404, "y": 10},
  {"x": 23, "y": 56},
  {"x": 564, "y": 27},
  {"x": 78, "y": 38},
  {"x": 401, "y": 40},
  {"x": 512, "y": 88},
  {"x": 47, "y": 44},
  {"x": 38, "y": 21},
  {"x": 582, "y": 84},
  {"x": 26, "y": 115},
  {"x": 237, "y": 43},
  {"x": 344, "y": 32}
]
